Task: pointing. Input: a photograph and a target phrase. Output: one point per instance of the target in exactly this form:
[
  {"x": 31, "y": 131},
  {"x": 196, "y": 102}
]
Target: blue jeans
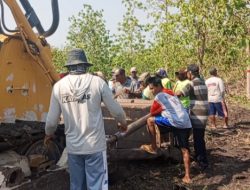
[{"x": 88, "y": 172}]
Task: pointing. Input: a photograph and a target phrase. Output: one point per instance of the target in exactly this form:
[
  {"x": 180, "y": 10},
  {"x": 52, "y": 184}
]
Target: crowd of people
[{"x": 180, "y": 106}]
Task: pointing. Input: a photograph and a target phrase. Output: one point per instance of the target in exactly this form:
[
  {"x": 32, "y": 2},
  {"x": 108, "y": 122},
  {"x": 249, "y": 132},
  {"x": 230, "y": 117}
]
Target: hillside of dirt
[{"x": 228, "y": 153}]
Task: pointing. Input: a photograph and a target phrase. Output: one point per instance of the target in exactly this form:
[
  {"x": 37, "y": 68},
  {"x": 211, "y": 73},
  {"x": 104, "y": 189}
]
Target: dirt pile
[{"x": 228, "y": 154}]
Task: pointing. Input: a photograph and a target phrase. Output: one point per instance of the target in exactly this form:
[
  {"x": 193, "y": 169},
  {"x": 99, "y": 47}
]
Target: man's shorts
[
  {"x": 218, "y": 108},
  {"x": 182, "y": 135},
  {"x": 162, "y": 121}
]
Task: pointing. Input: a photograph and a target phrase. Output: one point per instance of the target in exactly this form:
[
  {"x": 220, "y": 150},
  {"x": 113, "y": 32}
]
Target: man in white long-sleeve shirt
[
  {"x": 216, "y": 93},
  {"x": 78, "y": 98}
]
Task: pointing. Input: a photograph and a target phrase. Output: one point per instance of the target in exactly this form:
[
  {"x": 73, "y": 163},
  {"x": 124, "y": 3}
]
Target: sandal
[{"x": 148, "y": 149}]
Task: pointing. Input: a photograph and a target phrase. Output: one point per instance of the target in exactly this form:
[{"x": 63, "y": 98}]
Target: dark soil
[{"x": 228, "y": 153}]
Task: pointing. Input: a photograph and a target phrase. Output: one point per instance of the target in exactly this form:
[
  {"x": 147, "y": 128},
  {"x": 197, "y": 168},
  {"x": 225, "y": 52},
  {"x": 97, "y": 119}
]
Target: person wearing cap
[
  {"x": 182, "y": 81},
  {"x": 197, "y": 92},
  {"x": 216, "y": 98},
  {"x": 133, "y": 72},
  {"x": 166, "y": 82},
  {"x": 134, "y": 78},
  {"x": 78, "y": 97},
  {"x": 125, "y": 88}
]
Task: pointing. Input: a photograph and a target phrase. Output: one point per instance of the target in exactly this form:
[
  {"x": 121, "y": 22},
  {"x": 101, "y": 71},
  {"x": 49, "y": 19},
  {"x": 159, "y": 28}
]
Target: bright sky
[{"x": 113, "y": 12}]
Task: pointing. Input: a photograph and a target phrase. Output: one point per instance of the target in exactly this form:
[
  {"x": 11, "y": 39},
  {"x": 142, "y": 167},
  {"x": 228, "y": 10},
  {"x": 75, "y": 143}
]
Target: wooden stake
[{"x": 248, "y": 82}]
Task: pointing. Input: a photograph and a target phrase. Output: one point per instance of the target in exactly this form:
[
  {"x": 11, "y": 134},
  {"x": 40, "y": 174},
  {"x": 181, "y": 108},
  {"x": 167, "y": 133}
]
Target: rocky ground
[{"x": 228, "y": 154}]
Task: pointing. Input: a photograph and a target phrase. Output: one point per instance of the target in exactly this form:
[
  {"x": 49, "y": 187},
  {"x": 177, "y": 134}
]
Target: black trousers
[{"x": 199, "y": 145}]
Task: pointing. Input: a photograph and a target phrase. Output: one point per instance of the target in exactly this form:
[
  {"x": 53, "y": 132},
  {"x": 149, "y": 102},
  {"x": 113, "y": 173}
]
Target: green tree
[
  {"x": 220, "y": 29},
  {"x": 168, "y": 47},
  {"x": 59, "y": 59},
  {"x": 207, "y": 32},
  {"x": 88, "y": 31},
  {"x": 211, "y": 32},
  {"x": 130, "y": 40}
]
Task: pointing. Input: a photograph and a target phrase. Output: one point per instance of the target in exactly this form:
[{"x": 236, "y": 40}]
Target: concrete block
[{"x": 13, "y": 159}]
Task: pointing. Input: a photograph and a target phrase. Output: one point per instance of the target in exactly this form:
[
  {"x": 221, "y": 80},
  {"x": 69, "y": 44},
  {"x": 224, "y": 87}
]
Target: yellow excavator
[
  {"x": 27, "y": 72},
  {"x": 27, "y": 76}
]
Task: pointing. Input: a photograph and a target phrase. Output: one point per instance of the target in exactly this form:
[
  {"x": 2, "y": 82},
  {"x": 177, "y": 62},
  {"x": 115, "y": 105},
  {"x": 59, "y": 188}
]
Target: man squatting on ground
[
  {"x": 167, "y": 112},
  {"x": 78, "y": 97},
  {"x": 197, "y": 92}
]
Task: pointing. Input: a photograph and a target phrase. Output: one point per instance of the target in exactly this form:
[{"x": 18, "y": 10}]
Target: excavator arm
[
  {"x": 27, "y": 74},
  {"x": 35, "y": 45}
]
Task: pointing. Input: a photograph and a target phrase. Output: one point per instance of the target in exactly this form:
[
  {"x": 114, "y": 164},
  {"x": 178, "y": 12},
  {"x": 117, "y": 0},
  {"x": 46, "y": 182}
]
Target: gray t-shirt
[{"x": 122, "y": 90}]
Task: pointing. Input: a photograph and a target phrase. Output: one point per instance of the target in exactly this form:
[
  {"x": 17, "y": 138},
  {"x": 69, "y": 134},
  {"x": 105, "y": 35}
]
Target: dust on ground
[{"x": 228, "y": 153}]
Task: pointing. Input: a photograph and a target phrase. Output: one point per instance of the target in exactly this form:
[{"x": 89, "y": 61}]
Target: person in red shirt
[{"x": 168, "y": 113}]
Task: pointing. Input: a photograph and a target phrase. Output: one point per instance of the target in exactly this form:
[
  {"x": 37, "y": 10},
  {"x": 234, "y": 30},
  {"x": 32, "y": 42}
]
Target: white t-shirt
[
  {"x": 216, "y": 89},
  {"x": 78, "y": 98}
]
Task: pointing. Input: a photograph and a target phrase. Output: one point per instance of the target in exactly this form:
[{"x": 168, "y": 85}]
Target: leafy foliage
[
  {"x": 59, "y": 59},
  {"x": 129, "y": 43},
  {"x": 178, "y": 32},
  {"x": 88, "y": 31}
]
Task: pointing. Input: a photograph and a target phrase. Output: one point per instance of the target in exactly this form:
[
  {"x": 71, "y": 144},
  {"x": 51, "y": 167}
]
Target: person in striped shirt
[{"x": 198, "y": 94}]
